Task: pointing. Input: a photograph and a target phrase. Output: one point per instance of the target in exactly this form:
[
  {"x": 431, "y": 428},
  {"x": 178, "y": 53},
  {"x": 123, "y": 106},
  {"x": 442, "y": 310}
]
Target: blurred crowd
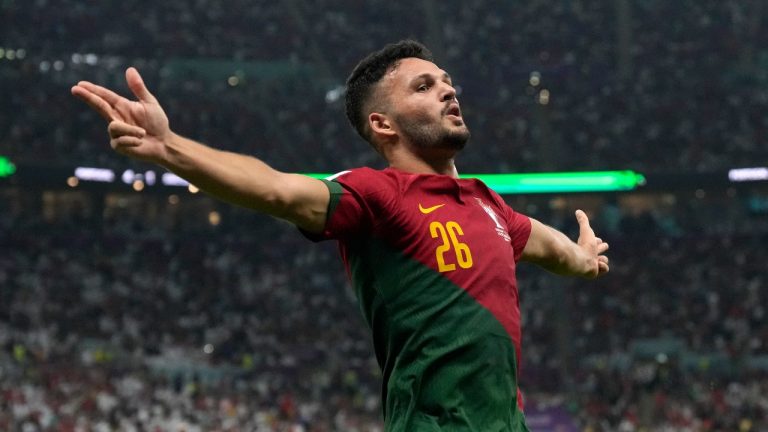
[
  {"x": 545, "y": 85},
  {"x": 133, "y": 318},
  {"x": 121, "y": 324},
  {"x": 115, "y": 320},
  {"x": 676, "y": 339}
]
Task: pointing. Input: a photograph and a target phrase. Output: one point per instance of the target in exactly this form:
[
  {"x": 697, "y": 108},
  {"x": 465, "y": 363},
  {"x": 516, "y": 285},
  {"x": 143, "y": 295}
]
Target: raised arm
[
  {"x": 139, "y": 129},
  {"x": 555, "y": 252}
]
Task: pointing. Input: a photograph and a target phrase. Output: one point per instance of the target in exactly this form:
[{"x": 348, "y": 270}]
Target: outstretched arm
[
  {"x": 555, "y": 252},
  {"x": 139, "y": 129}
]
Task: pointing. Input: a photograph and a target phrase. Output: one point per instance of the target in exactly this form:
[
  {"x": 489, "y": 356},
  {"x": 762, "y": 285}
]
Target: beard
[{"x": 425, "y": 133}]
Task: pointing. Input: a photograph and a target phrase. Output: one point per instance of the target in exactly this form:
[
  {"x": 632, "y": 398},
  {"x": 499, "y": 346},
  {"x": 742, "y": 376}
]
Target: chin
[
  {"x": 456, "y": 139},
  {"x": 437, "y": 136}
]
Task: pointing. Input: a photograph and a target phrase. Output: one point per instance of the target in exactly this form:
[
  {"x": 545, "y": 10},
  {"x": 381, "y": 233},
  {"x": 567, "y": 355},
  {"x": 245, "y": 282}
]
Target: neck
[{"x": 436, "y": 164}]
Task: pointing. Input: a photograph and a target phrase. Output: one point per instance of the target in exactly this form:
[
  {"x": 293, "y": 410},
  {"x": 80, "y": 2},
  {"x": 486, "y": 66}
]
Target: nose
[{"x": 449, "y": 93}]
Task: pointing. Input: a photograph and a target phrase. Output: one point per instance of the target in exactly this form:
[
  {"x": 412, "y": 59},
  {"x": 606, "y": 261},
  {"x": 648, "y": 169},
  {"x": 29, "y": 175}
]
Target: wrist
[{"x": 167, "y": 149}]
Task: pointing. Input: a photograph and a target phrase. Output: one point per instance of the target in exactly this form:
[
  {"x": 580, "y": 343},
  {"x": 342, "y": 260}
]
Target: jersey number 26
[{"x": 449, "y": 234}]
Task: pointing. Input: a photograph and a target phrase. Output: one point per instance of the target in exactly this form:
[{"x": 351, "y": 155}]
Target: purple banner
[{"x": 549, "y": 419}]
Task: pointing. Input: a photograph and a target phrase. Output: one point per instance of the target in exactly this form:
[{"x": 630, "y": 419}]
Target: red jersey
[{"x": 432, "y": 260}]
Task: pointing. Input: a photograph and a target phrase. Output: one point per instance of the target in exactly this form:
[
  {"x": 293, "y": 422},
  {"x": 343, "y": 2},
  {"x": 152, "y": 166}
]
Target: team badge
[{"x": 500, "y": 230}]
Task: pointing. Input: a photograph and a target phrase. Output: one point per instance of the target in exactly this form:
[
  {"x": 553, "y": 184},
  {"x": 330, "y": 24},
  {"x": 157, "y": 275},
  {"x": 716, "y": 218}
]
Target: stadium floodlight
[
  {"x": 556, "y": 182},
  {"x": 748, "y": 174},
  {"x": 171, "y": 179},
  {"x": 102, "y": 175},
  {"x": 7, "y": 168}
]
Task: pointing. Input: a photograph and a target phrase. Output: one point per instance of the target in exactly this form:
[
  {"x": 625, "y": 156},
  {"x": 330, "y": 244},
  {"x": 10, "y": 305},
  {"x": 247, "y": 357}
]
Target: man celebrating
[{"x": 432, "y": 257}]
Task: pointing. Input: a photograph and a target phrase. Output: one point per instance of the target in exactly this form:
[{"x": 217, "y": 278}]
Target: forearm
[
  {"x": 555, "y": 252},
  {"x": 235, "y": 178},
  {"x": 248, "y": 182},
  {"x": 567, "y": 258}
]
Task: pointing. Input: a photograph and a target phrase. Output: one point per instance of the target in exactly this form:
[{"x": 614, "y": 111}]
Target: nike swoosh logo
[{"x": 429, "y": 210}]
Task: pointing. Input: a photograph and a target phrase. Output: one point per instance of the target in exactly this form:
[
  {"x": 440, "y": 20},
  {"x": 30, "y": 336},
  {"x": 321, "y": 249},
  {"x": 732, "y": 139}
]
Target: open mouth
[{"x": 453, "y": 110}]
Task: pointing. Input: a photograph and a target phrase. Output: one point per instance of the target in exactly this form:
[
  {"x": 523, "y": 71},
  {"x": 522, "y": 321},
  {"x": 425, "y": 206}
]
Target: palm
[
  {"x": 137, "y": 128},
  {"x": 149, "y": 116}
]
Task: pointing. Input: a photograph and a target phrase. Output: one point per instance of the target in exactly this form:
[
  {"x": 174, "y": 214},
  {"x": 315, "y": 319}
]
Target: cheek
[
  {"x": 411, "y": 121},
  {"x": 419, "y": 113}
]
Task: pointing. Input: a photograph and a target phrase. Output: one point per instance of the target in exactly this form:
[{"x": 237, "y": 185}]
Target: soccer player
[{"x": 432, "y": 257}]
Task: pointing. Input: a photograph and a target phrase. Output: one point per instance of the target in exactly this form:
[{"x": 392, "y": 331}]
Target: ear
[{"x": 381, "y": 125}]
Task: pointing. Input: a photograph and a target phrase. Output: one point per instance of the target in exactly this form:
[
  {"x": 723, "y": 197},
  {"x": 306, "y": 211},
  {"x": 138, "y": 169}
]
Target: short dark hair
[{"x": 368, "y": 73}]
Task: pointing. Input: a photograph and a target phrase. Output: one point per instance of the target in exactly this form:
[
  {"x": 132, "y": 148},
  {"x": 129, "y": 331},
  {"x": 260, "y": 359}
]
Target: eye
[{"x": 422, "y": 88}]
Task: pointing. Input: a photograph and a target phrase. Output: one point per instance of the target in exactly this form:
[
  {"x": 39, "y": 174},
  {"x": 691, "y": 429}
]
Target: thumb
[
  {"x": 136, "y": 84},
  {"x": 584, "y": 229}
]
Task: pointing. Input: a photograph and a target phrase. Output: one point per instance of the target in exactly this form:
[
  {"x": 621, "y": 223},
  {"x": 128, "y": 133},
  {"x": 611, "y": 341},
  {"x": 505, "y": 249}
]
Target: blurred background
[{"x": 131, "y": 304}]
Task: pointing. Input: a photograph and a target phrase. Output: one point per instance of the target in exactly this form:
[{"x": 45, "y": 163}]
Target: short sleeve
[
  {"x": 519, "y": 230},
  {"x": 355, "y": 197}
]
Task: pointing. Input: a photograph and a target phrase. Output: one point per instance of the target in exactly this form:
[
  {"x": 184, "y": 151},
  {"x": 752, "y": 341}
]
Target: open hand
[
  {"x": 138, "y": 128},
  {"x": 592, "y": 245}
]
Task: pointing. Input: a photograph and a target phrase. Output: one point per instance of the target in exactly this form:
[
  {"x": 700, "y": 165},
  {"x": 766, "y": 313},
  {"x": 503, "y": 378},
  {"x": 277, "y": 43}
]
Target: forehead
[{"x": 410, "y": 68}]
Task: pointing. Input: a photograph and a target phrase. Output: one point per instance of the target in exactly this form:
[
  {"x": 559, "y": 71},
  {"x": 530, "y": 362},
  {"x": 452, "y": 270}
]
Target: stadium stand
[{"x": 126, "y": 311}]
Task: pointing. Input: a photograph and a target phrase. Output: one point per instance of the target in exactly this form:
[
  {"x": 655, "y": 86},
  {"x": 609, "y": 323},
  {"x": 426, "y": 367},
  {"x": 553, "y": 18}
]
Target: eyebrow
[{"x": 445, "y": 77}]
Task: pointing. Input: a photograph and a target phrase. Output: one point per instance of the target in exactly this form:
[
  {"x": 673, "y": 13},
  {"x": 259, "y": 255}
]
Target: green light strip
[
  {"x": 587, "y": 181},
  {"x": 6, "y": 167}
]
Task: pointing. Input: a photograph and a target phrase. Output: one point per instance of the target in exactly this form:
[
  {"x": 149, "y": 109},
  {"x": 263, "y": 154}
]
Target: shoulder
[
  {"x": 483, "y": 191},
  {"x": 363, "y": 172},
  {"x": 367, "y": 180},
  {"x": 369, "y": 185},
  {"x": 497, "y": 201}
]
